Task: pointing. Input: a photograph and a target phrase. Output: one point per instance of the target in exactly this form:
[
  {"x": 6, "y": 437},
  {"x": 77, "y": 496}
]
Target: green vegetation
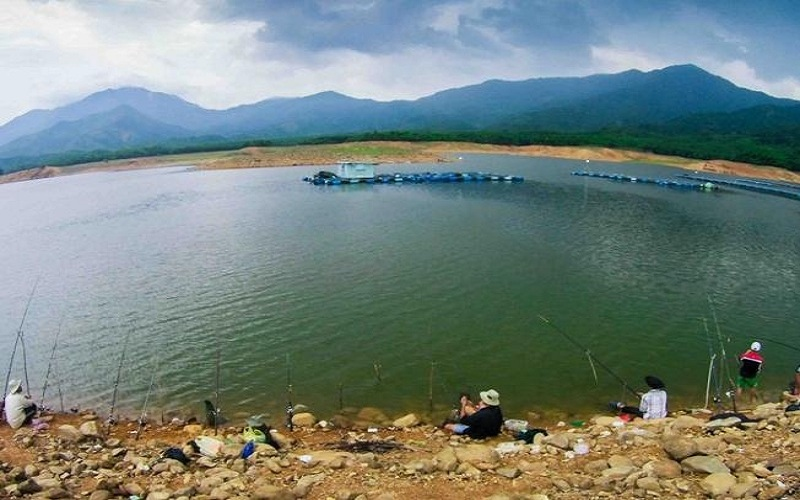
[{"x": 778, "y": 148}]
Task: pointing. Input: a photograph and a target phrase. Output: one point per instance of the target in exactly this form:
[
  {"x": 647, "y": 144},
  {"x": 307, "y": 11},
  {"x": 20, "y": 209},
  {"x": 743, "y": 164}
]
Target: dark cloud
[{"x": 379, "y": 26}]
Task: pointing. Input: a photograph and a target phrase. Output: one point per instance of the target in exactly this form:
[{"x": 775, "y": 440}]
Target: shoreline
[
  {"x": 686, "y": 455},
  {"x": 394, "y": 152}
]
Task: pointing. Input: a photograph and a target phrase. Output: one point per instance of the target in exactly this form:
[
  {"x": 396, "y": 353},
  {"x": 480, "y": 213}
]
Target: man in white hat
[
  {"x": 750, "y": 363},
  {"x": 482, "y": 420},
  {"x": 19, "y": 408}
]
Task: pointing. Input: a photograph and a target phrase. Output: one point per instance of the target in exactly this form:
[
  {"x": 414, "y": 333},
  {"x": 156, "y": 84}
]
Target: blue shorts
[{"x": 460, "y": 428}]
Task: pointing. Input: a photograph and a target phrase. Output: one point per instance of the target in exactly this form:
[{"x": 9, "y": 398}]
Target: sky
[{"x": 223, "y": 53}]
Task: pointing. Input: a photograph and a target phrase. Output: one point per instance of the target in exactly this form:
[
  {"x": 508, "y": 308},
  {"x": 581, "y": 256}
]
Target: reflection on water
[{"x": 396, "y": 296}]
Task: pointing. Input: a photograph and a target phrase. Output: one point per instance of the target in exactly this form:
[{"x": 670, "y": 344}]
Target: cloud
[{"x": 221, "y": 53}]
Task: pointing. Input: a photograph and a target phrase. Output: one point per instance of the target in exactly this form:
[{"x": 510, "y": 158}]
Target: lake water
[{"x": 391, "y": 296}]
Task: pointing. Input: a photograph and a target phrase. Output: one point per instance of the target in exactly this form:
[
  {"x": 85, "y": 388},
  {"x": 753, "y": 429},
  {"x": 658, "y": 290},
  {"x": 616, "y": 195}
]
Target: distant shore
[{"x": 398, "y": 152}]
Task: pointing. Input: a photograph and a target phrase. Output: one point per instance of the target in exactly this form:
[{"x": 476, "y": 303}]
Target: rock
[
  {"x": 707, "y": 465},
  {"x": 57, "y": 493},
  {"x": 159, "y": 495},
  {"x": 304, "y": 419},
  {"x": 282, "y": 441},
  {"x": 304, "y": 484},
  {"x": 679, "y": 448},
  {"x": 331, "y": 458},
  {"x": 193, "y": 429},
  {"x": 605, "y": 421},
  {"x": 619, "y": 472},
  {"x": 69, "y": 433},
  {"x": 373, "y": 415},
  {"x": 90, "y": 429},
  {"x": 664, "y": 469},
  {"x": 446, "y": 460},
  {"x": 100, "y": 495},
  {"x": 508, "y": 472},
  {"x": 619, "y": 461},
  {"x": 29, "y": 487},
  {"x": 477, "y": 455},
  {"x": 596, "y": 466},
  {"x": 560, "y": 440},
  {"x": 743, "y": 489},
  {"x": 723, "y": 422},
  {"x": 718, "y": 483},
  {"x": 686, "y": 422},
  {"x": 409, "y": 420},
  {"x": 648, "y": 484}
]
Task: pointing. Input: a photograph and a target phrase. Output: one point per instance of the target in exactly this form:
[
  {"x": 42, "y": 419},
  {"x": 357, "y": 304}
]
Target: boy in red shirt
[{"x": 750, "y": 363}]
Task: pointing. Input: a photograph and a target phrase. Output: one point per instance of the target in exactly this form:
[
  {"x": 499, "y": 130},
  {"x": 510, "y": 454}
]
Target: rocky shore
[{"x": 363, "y": 454}]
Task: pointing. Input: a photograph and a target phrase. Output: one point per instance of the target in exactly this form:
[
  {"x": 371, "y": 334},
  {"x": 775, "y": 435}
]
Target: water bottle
[{"x": 580, "y": 447}]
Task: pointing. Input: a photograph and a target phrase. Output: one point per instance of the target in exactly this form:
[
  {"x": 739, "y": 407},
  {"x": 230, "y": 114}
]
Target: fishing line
[
  {"x": 20, "y": 338},
  {"x": 111, "y": 420},
  {"x": 591, "y": 356},
  {"x": 724, "y": 369},
  {"x": 50, "y": 363}
]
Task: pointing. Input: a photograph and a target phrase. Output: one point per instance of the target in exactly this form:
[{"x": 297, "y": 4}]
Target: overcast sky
[{"x": 221, "y": 53}]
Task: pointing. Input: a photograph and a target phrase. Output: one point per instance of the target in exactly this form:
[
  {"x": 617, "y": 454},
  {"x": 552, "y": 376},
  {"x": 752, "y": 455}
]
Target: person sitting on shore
[
  {"x": 19, "y": 408},
  {"x": 479, "y": 421},
  {"x": 653, "y": 403}
]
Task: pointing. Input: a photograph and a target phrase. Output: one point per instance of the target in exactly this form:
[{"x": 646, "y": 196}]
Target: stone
[
  {"x": 446, "y": 460},
  {"x": 619, "y": 461},
  {"x": 596, "y": 466},
  {"x": 723, "y": 422},
  {"x": 508, "y": 472},
  {"x": 373, "y": 415},
  {"x": 718, "y": 483},
  {"x": 406, "y": 421},
  {"x": 100, "y": 495},
  {"x": 663, "y": 469},
  {"x": 679, "y": 448},
  {"x": 282, "y": 441},
  {"x": 686, "y": 422},
  {"x": 90, "y": 429},
  {"x": 648, "y": 483},
  {"x": 475, "y": 454},
  {"x": 619, "y": 472},
  {"x": 703, "y": 464},
  {"x": 304, "y": 484},
  {"x": 69, "y": 433},
  {"x": 560, "y": 440},
  {"x": 304, "y": 419},
  {"x": 740, "y": 490}
]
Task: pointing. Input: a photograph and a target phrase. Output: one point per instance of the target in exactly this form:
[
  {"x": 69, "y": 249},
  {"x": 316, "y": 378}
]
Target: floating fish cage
[
  {"x": 326, "y": 178},
  {"x": 701, "y": 186},
  {"x": 777, "y": 188}
]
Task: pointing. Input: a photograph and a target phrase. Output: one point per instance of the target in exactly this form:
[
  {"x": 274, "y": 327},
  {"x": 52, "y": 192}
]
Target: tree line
[{"x": 776, "y": 148}]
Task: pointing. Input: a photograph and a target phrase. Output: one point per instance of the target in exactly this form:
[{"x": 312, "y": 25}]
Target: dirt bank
[{"x": 399, "y": 152}]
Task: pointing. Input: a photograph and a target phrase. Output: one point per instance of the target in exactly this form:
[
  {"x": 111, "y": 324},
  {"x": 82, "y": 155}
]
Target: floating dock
[
  {"x": 699, "y": 186},
  {"x": 325, "y": 178},
  {"x": 776, "y": 188}
]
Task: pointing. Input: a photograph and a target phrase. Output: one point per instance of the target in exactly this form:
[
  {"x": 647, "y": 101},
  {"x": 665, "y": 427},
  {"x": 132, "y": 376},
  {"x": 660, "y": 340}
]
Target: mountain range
[{"x": 683, "y": 97}]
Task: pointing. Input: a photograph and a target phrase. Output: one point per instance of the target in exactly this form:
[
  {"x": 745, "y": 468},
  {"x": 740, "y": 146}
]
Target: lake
[{"x": 187, "y": 285}]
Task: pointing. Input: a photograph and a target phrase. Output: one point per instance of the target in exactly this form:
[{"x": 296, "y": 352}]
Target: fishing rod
[
  {"x": 592, "y": 358},
  {"x": 788, "y": 346},
  {"x": 216, "y": 388},
  {"x": 289, "y": 405},
  {"x": 20, "y": 338},
  {"x": 143, "y": 416},
  {"x": 724, "y": 369},
  {"x": 111, "y": 419},
  {"x": 50, "y": 363}
]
